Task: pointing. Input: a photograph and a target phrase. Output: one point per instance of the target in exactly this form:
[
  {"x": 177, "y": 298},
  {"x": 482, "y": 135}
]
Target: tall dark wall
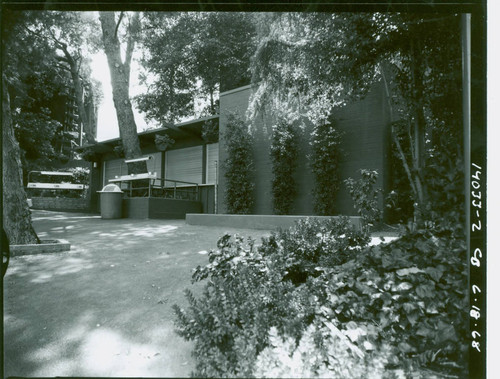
[{"x": 365, "y": 144}]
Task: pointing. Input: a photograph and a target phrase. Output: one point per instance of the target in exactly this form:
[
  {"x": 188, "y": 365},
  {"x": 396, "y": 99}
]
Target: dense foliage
[
  {"x": 399, "y": 201},
  {"x": 189, "y": 58},
  {"x": 238, "y": 166},
  {"x": 365, "y": 196},
  {"x": 253, "y": 288},
  {"x": 36, "y": 134},
  {"x": 325, "y": 157},
  {"x": 315, "y": 301},
  {"x": 283, "y": 152},
  {"x": 42, "y": 87},
  {"x": 306, "y": 64}
]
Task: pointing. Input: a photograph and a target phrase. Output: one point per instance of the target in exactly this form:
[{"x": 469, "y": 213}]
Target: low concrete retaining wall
[
  {"x": 44, "y": 247},
  {"x": 67, "y": 204},
  {"x": 266, "y": 222},
  {"x": 159, "y": 208}
]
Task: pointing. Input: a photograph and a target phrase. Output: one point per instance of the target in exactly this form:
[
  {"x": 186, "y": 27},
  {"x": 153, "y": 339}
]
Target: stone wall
[{"x": 61, "y": 204}]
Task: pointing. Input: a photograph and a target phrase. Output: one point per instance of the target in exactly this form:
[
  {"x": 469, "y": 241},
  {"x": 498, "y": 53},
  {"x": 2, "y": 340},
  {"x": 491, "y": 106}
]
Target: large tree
[
  {"x": 16, "y": 214},
  {"x": 189, "y": 57},
  {"x": 56, "y": 72},
  {"x": 120, "y": 79},
  {"x": 306, "y": 64},
  {"x": 71, "y": 35}
]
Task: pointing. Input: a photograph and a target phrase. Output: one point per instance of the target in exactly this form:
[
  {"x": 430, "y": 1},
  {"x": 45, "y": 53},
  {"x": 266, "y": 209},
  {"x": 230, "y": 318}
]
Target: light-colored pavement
[{"x": 105, "y": 307}]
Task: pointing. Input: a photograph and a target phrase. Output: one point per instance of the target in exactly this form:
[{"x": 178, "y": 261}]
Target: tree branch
[
  {"x": 115, "y": 34},
  {"x": 412, "y": 145},
  {"x": 132, "y": 35},
  {"x": 395, "y": 137}
]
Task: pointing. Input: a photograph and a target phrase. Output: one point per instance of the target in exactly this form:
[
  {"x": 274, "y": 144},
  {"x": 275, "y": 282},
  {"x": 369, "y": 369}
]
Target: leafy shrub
[
  {"x": 378, "y": 312},
  {"x": 229, "y": 323},
  {"x": 253, "y": 288},
  {"x": 284, "y": 160},
  {"x": 313, "y": 244},
  {"x": 401, "y": 305},
  {"x": 163, "y": 142},
  {"x": 364, "y": 196},
  {"x": 238, "y": 166},
  {"x": 445, "y": 186},
  {"x": 325, "y": 352},
  {"x": 210, "y": 131},
  {"x": 325, "y": 162}
]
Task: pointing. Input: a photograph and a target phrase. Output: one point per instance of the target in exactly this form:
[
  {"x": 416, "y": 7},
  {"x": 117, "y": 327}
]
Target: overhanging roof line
[{"x": 179, "y": 127}]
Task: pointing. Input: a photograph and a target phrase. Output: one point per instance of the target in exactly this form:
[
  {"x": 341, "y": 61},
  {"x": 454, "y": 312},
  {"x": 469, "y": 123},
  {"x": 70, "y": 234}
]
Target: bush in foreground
[{"x": 315, "y": 301}]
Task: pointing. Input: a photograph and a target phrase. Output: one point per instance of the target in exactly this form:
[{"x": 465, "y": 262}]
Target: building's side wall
[
  {"x": 365, "y": 144},
  {"x": 365, "y": 124}
]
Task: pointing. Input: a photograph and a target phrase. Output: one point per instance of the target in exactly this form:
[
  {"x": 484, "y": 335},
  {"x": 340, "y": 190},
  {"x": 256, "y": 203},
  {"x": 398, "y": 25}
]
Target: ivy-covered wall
[{"x": 365, "y": 143}]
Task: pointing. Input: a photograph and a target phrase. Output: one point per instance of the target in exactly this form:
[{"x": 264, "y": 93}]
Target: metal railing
[
  {"x": 157, "y": 187},
  {"x": 175, "y": 189}
]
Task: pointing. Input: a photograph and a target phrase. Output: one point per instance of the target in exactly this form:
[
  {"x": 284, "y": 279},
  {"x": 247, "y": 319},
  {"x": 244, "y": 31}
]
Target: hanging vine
[
  {"x": 284, "y": 150},
  {"x": 238, "y": 167},
  {"x": 163, "y": 142},
  {"x": 325, "y": 165}
]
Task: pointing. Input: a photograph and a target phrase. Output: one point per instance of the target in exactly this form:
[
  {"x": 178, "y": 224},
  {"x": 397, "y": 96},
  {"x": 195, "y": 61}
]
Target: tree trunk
[
  {"x": 413, "y": 177},
  {"x": 212, "y": 104},
  {"x": 119, "y": 72},
  {"x": 82, "y": 115},
  {"x": 91, "y": 108},
  {"x": 16, "y": 214},
  {"x": 419, "y": 125},
  {"x": 74, "y": 69}
]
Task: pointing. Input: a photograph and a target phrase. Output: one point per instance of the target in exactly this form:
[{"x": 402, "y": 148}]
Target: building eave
[{"x": 181, "y": 130}]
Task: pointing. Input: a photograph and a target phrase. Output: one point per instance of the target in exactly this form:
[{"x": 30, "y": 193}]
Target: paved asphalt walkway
[{"x": 105, "y": 307}]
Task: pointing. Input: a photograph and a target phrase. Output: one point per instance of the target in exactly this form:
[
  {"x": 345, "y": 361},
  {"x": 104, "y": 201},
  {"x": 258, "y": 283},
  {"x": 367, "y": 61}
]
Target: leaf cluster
[
  {"x": 251, "y": 288},
  {"x": 37, "y": 75},
  {"x": 283, "y": 152},
  {"x": 238, "y": 166},
  {"x": 364, "y": 196},
  {"x": 306, "y": 64},
  {"x": 190, "y": 57},
  {"x": 377, "y": 312},
  {"x": 163, "y": 142},
  {"x": 325, "y": 160}
]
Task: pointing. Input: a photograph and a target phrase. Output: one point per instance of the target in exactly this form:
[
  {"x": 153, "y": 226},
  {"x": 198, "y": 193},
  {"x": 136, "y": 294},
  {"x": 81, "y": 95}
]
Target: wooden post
[
  {"x": 204, "y": 161},
  {"x": 163, "y": 168}
]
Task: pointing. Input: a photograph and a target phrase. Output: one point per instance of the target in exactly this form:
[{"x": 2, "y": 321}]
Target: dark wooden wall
[{"x": 366, "y": 145}]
